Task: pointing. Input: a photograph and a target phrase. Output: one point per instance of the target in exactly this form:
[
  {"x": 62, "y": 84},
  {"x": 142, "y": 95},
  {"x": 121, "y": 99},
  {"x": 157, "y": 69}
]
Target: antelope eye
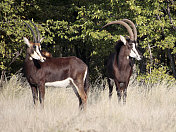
[
  {"x": 34, "y": 46},
  {"x": 129, "y": 45}
]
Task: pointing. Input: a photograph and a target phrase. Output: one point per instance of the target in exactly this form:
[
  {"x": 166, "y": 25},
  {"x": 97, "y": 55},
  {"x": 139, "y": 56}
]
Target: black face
[
  {"x": 129, "y": 45},
  {"x": 30, "y": 51}
]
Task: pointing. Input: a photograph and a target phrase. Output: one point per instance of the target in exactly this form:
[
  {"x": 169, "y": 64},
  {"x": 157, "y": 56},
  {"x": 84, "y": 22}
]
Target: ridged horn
[
  {"x": 125, "y": 25},
  {"x": 133, "y": 26},
  {"x": 35, "y": 40},
  {"x": 37, "y": 31}
]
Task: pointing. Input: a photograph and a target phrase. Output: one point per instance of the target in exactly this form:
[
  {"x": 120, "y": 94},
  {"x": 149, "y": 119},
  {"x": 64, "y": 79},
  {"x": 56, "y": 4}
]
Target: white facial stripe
[
  {"x": 37, "y": 50},
  {"x": 134, "y": 53},
  {"x": 134, "y": 49},
  {"x": 35, "y": 56},
  {"x": 37, "y": 53}
]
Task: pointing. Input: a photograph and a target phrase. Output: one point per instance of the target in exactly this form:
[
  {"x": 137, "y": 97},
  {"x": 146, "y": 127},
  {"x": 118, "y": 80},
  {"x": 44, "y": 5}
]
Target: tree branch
[
  {"x": 168, "y": 11},
  {"x": 17, "y": 55}
]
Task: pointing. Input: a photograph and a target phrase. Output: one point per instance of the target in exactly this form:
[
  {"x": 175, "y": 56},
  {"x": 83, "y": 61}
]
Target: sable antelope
[
  {"x": 119, "y": 64},
  {"x": 43, "y": 70}
]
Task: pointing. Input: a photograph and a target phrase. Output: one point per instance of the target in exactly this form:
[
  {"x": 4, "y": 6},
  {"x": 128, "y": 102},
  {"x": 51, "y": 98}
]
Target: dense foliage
[{"x": 73, "y": 27}]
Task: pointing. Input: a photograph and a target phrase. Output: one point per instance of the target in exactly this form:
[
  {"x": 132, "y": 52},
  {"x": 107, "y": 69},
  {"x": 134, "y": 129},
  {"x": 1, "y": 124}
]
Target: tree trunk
[
  {"x": 172, "y": 62},
  {"x": 3, "y": 77},
  {"x": 151, "y": 58}
]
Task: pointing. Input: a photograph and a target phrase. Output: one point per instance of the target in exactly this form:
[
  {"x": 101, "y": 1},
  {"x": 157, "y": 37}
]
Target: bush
[{"x": 157, "y": 76}]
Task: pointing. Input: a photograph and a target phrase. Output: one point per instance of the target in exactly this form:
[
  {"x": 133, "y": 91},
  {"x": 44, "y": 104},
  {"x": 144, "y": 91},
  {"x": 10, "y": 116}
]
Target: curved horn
[
  {"x": 35, "y": 40},
  {"x": 133, "y": 26},
  {"x": 125, "y": 25},
  {"x": 37, "y": 31}
]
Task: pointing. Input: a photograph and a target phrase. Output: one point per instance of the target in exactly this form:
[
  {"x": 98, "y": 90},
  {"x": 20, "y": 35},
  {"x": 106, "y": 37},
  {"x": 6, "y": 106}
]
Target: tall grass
[{"x": 147, "y": 109}]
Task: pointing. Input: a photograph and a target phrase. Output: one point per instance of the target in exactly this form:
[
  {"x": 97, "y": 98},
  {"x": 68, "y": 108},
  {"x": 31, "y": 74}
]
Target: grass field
[{"x": 147, "y": 110}]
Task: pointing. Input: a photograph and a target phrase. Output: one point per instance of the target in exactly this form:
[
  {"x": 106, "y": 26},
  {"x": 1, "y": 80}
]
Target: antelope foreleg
[
  {"x": 42, "y": 94},
  {"x": 124, "y": 88},
  {"x": 34, "y": 94},
  {"x": 110, "y": 83},
  {"x": 118, "y": 89},
  {"x": 124, "y": 96}
]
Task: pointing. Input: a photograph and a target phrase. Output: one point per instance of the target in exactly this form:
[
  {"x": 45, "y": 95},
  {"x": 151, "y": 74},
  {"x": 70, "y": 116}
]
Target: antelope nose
[
  {"x": 42, "y": 59},
  {"x": 140, "y": 57}
]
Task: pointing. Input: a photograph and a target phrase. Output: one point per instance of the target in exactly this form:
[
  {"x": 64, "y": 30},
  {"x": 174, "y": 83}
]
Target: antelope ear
[
  {"x": 41, "y": 40},
  {"x": 27, "y": 41},
  {"x": 123, "y": 39}
]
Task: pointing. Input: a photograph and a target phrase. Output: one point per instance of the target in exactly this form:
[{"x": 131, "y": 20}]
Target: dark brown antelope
[
  {"x": 119, "y": 64},
  {"x": 43, "y": 70}
]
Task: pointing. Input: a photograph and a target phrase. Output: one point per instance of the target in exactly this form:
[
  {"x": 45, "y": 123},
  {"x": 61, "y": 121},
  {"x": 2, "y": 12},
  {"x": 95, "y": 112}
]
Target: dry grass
[{"x": 151, "y": 110}]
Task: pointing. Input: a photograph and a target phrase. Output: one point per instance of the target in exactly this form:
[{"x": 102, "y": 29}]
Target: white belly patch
[{"x": 63, "y": 83}]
